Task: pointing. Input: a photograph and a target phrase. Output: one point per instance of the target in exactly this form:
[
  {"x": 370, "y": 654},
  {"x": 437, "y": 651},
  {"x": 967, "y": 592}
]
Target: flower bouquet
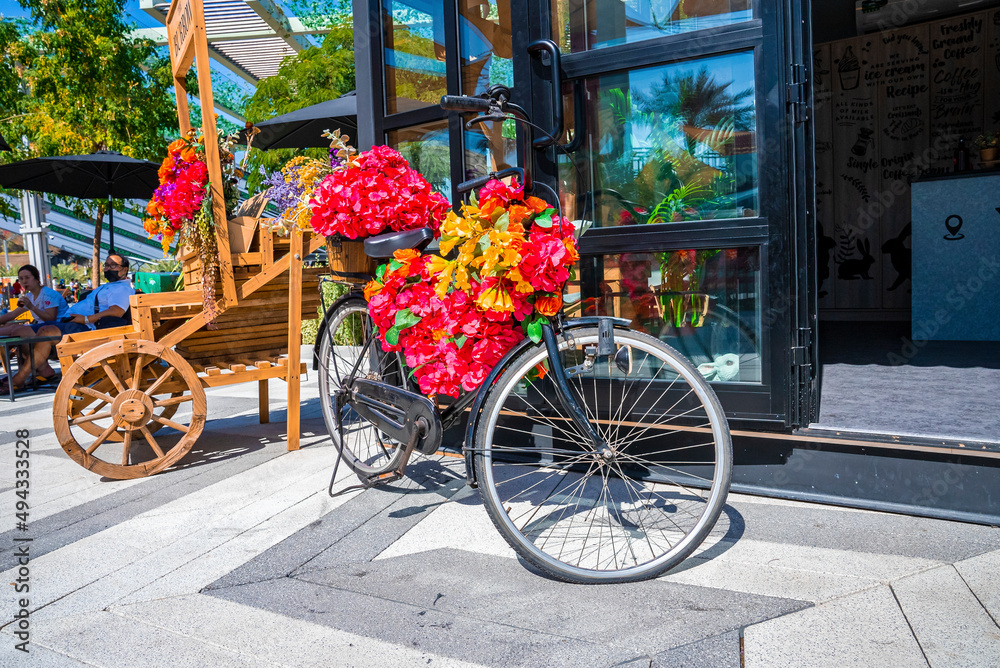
[
  {"x": 503, "y": 265},
  {"x": 181, "y": 208},
  {"x": 292, "y": 189},
  {"x": 375, "y": 192}
]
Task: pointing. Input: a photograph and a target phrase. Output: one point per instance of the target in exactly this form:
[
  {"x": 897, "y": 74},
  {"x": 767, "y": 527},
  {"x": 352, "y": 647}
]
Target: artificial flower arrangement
[
  {"x": 181, "y": 207},
  {"x": 292, "y": 189},
  {"x": 375, "y": 192},
  {"x": 503, "y": 265}
]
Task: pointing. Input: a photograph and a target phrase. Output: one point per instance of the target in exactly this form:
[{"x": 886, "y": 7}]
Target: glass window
[
  {"x": 426, "y": 148},
  {"x": 704, "y": 303},
  {"x": 582, "y": 25},
  {"x": 490, "y": 147},
  {"x": 486, "y": 47},
  {"x": 414, "y": 44},
  {"x": 669, "y": 143}
]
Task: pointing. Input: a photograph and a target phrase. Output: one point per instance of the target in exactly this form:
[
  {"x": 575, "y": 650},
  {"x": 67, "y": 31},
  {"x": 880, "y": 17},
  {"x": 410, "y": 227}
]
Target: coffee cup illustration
[
  {"x": 953, "y": 224},
  {"x": 849, "y": 70}
]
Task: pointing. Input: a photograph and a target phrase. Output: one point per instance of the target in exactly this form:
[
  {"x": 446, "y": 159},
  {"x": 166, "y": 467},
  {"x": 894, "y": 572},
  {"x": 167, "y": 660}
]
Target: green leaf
[
  {"x": 392, "y": 336},
  {"x": 405, "y": 319},
  {"x": 544, "y": 221},
  {"x": 460, "y": 341},
  {"x": 380, "y": 272},
  {"x": 535, "y": 329},
  {"x": 395, "y": 264},
  {"x": 484, "y": 243},
  {"x": 502, "y": 222}
]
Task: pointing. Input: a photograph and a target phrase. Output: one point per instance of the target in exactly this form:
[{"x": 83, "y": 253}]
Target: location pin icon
[{"x": 953, "y": 224}]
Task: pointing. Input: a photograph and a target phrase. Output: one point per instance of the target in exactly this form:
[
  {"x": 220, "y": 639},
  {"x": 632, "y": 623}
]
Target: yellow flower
[
  {"x": 443, "y": 270},
  {"x": 495, "y": 299}
]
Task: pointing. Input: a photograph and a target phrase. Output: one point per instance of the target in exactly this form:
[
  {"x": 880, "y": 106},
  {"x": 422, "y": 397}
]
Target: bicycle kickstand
[{"x": 390, "y": 476}]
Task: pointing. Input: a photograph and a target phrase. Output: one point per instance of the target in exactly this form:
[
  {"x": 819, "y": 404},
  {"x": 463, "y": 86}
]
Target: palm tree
[{"x": 697, "y": 100}]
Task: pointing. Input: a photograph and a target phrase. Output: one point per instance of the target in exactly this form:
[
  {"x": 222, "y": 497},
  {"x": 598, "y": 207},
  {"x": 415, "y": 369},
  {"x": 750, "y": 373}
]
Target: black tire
[
  {"x": 365, "y": 449},
  {"x": 637, "y": 512}
]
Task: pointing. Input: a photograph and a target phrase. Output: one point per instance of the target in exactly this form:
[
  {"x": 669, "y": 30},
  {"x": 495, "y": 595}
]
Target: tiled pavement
[{"x": 239, "y": 558}]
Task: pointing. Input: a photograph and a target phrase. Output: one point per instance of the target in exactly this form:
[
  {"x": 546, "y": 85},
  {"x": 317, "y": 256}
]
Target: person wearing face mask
[{"x": 105, "y": 307}]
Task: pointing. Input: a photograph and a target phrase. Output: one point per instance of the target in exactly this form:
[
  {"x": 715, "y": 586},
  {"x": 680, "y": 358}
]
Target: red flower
[{"x": 381, "y": 193}]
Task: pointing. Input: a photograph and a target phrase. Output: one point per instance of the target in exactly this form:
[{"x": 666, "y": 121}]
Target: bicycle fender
[
  {"x": 351, "y": 294},
  {"x": 501, "y": 366},
  {"x": 477, "y": 407}
]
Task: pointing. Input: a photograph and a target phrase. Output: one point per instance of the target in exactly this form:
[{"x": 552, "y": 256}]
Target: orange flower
[
  {"x": 537, "y": 204},
  {"x": 573, "y": 256},
  {"x": 517, "y": 214},
  {"x": 372, "y": 289},
  {"x": 548, "y": 304},
  {"x": 189, "y": 155},
  {"x": 406, "y": 255},
  {"x": 176, "y": 146}
]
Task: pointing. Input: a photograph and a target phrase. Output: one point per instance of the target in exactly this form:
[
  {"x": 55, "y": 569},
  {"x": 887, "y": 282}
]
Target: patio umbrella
[
  {"x": 4, "y": 146},
  {"x": 93, "y": 176},
  {"x": 303, "y": 128}
]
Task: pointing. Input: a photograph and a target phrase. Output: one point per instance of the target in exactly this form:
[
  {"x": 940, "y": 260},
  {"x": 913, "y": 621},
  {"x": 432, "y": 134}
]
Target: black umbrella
[
  {"x": 303, "y": 128},
  {"x": 94, "y": 176},
  {"x": 4, "y": 146}
]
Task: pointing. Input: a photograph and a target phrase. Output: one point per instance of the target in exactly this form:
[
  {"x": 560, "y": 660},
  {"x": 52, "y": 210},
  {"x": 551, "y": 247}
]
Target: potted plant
[{"x": 986, "y": 144}]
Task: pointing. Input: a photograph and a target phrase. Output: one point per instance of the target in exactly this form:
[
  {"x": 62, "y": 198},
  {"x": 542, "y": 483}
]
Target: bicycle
[{"x": 600, "y": 453}]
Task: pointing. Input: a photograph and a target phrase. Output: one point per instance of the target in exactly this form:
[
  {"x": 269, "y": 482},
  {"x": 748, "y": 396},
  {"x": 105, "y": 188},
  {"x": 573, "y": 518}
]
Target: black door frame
[{"x": 784, "y": 231}]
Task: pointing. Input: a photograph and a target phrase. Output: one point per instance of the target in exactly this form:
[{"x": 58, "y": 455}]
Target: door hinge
[{"x": 798, "y": 94}]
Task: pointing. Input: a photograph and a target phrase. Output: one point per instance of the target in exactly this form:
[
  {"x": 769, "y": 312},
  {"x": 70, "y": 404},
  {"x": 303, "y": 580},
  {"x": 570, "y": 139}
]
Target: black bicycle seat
[{"x": 382, "y": 246}]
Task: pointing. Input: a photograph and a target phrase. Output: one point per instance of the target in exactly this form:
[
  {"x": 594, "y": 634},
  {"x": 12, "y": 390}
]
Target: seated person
[
  {"x": 104, "y": 307},
  {"x": 44, "y": 304}
]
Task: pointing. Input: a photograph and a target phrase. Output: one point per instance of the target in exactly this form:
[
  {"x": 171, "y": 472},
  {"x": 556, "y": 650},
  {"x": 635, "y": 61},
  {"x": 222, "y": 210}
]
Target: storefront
[{"x": 736, "y": 177}]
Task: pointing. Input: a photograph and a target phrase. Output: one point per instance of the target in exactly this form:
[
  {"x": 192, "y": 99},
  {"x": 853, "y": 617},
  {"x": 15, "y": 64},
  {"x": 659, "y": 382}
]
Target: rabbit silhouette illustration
[
  {"x": 855, "y": 268},
  {"x": 899, "y": 255}
]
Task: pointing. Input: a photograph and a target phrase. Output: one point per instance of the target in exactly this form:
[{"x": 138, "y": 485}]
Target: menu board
[
  {"x": 957, "y": 49},
  {"x": 991, "y": 64},
  {"x": 826, "y": 215},
  {"x": 903, "y": 75},
  {"x": 856, "y": 168},
  {"x": 891, "y": 106}
]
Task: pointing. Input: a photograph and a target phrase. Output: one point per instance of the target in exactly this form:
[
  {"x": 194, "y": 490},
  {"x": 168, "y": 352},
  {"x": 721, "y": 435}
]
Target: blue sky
[{"x": 141, "y": 19}]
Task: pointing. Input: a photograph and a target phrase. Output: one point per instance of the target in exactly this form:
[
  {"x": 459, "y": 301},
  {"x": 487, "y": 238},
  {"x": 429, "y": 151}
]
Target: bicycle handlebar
[{"x": 465, "y": 103}]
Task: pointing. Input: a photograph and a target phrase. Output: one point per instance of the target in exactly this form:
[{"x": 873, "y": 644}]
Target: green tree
[
  {"x": 697, "y": 100},
  {"x": 309, "y": 77},
  {"x": 84, "y": 84}
]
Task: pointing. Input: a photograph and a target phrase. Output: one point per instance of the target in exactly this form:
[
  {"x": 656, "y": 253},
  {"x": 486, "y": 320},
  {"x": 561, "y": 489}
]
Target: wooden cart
[{"x": 121, "y": 385}]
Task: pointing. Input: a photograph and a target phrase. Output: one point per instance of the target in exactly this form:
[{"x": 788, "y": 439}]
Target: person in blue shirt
[{"x": 104, "y": 307}]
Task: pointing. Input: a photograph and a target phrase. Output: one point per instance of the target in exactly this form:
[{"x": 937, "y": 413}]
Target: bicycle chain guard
[{"x": 396, "y": 412}]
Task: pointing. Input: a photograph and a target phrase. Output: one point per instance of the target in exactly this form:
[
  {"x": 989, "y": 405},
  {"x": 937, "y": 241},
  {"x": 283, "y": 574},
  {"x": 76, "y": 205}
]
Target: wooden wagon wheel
[
  {"x": 131, "y": 391},
  {"x": 85, "y": 405}
]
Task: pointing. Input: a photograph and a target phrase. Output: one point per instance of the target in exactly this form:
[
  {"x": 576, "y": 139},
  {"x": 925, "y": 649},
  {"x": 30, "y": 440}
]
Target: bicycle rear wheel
[
  {"x": 349, "y": 335},
  {"x": 585, "y": 517}
]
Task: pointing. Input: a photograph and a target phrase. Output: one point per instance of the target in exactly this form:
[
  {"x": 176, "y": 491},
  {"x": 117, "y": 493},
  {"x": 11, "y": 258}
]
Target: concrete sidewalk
[{"x": 238, "y": 557}]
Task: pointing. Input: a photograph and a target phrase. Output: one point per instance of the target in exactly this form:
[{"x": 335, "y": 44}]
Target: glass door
[{"x": 677, "y": 148}]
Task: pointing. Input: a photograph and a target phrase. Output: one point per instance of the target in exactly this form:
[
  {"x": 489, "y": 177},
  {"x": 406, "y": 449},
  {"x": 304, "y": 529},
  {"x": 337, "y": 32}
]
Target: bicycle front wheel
[
  {"x": 630, "y": 513},
  {"x": 348, "y": 344}
]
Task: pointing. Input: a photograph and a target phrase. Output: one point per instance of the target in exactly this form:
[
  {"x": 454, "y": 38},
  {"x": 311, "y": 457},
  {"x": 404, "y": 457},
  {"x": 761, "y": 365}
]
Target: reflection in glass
[
  {"x": 487, "y": 52},
  {"x": 704, "y": 303},
  {"x": 582, "y": 25},
  {"x": 414, "y": 45},
  {"x": 668, "y": 144},
  {"x": 490, "y": 147},
  {"x": 486, "y": 48},
  {"x": 426, "y": 148}
]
